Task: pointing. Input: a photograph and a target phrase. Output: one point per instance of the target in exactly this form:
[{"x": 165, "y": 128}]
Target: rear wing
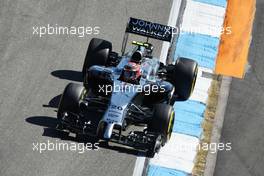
[{"x": 149, "y": 29}]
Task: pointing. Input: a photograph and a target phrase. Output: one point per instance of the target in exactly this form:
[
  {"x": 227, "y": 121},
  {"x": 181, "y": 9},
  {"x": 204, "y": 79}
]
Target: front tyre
[
  {"x": 162, "y": 121},
  {"x": 70, "y": 99},
  {"x": 154, "y": 147}
]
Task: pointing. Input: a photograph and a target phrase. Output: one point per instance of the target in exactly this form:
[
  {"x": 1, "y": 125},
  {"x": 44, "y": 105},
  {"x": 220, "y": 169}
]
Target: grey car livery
[{"x": 128, "y": 99}]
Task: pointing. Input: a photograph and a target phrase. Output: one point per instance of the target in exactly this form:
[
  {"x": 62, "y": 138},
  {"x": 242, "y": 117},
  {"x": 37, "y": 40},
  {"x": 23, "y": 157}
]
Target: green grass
[{"x": 207, "y": 125}]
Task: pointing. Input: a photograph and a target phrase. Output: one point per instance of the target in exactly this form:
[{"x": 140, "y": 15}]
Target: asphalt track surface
[
  {"x": 34, "y": 72},
  {"x": 244, "y": 118}
]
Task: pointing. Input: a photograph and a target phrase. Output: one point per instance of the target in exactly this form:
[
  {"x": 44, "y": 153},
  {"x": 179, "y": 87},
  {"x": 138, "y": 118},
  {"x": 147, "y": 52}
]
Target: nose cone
[{"x": 108, "y": 131}]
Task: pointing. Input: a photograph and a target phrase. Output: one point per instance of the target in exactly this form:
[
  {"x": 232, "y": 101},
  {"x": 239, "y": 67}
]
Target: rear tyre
[
  {"x": 70, "y": 99},
  {"x": 97, "y": 54},
  {"x": 162, "y": 121},
  {"x": 184, "y": 77}
]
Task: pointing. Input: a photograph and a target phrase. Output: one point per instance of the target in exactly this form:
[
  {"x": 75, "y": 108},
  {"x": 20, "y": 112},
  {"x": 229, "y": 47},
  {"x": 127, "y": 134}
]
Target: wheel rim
[
  {"x": 157, "y": 144},
  {"x": 194, "y": 80},
  {"x": 170, "y": 127},
  {"x": 83, "y": 94}
]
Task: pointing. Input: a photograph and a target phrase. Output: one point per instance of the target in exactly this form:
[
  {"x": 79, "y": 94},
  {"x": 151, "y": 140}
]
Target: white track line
[
  {"x": 139, "y": 166},
  {"x": 179, "y": 153},
  {"x": 174, "y": 13},
  {"x": 203, "y": 18}
]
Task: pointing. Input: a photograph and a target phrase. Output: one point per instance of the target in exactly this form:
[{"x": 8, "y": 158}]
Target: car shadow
[
  {"x": 50, "y": 123},
  {"x": 68, "y": 74},
  {"x": 49, "y": 130},
  {"x": 44, "y": 121},
  {"x": 54, "y": 102},
  {"x": 119, "y": 149}
]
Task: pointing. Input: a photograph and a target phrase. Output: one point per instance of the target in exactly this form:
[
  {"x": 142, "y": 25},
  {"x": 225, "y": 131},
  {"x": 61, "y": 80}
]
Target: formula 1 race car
[{"x": 120, "y": 93}]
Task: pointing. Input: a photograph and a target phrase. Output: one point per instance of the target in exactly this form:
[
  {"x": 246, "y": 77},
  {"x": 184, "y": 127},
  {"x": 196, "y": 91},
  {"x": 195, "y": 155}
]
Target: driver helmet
[
  {"x": 137, "y": 56},
  {"x": 131, "y": 72}
]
